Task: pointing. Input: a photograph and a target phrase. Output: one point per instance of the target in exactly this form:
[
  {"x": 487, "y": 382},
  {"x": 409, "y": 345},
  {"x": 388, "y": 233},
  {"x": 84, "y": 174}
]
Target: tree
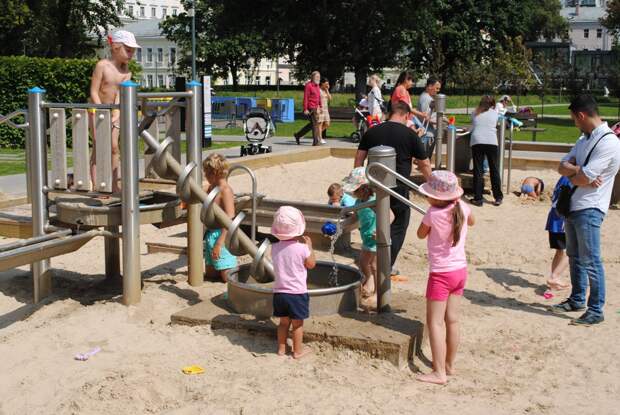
[
  {"x": 222, "y": 45},
  {"x": 612, "y": 20},
  {"x": 48, "y": 28}
]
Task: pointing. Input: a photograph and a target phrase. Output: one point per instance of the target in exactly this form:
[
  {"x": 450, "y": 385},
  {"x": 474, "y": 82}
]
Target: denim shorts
[{"x": 293, "y": 306}]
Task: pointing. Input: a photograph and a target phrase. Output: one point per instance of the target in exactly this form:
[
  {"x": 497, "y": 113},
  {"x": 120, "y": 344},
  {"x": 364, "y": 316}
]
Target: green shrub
[{"x": 64, "y": 80}]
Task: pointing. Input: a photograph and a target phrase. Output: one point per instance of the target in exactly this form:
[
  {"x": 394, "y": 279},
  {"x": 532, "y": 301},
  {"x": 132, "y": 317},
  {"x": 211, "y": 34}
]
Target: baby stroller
[
  {"x": 257, "y": 126},
  {"x": 363, "y": 121}
]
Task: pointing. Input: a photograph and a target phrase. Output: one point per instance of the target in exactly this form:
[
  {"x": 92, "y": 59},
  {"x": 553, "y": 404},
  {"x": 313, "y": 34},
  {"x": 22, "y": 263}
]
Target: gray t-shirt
[
  {"x": 424, "y": 105},
  {"x": 484, "y": 128}
]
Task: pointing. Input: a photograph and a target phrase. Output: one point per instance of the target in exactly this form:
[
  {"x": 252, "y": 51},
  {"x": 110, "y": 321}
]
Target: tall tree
[
  {"x": 223, "y": 46},
  {"x": 52, "y": 28}
]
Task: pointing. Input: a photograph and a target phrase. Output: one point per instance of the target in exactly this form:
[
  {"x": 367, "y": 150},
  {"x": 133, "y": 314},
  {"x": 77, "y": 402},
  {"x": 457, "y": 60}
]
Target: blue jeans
[{"x": 583, "y": 247}]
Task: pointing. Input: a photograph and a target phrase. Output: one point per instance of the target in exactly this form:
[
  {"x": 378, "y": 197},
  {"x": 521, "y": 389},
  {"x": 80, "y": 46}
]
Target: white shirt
[
  {"x": 604, "y": 162},
  {"x": 503, "y": 109},
  {"x": 374, "y": 101},
  {"x": 484, "y": 128}
]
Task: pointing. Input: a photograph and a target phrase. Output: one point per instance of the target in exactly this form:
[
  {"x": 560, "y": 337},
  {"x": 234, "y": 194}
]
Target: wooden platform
[{"x": 395, "y": 337}]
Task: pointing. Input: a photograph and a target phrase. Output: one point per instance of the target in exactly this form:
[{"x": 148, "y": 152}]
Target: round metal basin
[
  {"x": 156, "y": 207},
  {"x": 246, "y": 296}
]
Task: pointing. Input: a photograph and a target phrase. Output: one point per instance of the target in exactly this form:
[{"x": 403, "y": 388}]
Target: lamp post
[{"x": 192, "y": 13}]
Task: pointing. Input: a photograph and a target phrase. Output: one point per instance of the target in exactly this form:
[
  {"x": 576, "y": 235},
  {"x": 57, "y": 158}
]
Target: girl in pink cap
[
  {"x": 445, "y": 225},
  {"x": 292, "y": 257}
]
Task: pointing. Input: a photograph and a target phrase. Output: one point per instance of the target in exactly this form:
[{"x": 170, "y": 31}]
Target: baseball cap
[{"x": 124, "y": 37}]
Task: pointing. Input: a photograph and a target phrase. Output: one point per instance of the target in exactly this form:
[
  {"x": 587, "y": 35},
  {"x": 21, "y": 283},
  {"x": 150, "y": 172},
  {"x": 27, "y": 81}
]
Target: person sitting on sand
[
  {"x": 557, "y": 240},
  {"x": 532, "y": 188},
  {"x": 104, "y": 89},
  {"x": 337, "y": 196},
  {"x": 292, "y": 257},
  {"x": 218, "y": 258},
  {"x": 357, "y": 183},
  {"x": 445, "y": 225}
]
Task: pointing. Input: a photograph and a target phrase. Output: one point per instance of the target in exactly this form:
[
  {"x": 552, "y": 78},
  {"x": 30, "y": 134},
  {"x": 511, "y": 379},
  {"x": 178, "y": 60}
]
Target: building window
[
  {"x": 139, "y": 54},
  {"x": 174, "y": 12},
  {"x": 257, "y": 82},
  {"x": 130, "y": 11},
  {"x": 599, "y": 33},
  {"x": 149, "y": 81},
  {"x": 153, "y": 12},
  {"x": 586, "y": 33},
  {"x": 142, "y": 12},
  {"x": 164, "y": 12},
  {"x": 149, "y": 55},
  {"x": 160, "y": 55},
  {"x": 268, "y": 80},
  {"x": 160, "y": 81},
  {"x": 173, "y": 56},
  {"x": 389, "y": 81},
  {"x": 588, "y": 3}
]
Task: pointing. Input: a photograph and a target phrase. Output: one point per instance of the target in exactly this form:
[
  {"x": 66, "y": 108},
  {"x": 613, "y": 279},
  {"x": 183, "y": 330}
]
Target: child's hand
[
  {"x": 306, "y": 239},
  {"x": 216, "y": 252}
]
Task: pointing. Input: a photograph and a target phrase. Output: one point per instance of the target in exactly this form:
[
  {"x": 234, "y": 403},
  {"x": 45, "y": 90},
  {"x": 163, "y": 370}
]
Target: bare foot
[
  {"x": 433, "y": 377},
  {"x": 367, "y": 293},
  {"x": 450, "y": 371},
  {"x": 305, "y": 352},
  {"x": 281, "y": 351},
  {"x": 557, "y": 284}
]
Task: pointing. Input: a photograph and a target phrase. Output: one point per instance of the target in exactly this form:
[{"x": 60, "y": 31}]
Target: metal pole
[
  {"x": 509, "y": 158},
  {"x": 195, "y": 256},
  {"x": 38, "y": 176},
  {"x": 130, "y": 197},
  {"x": 254, "y": 194},
  {"x": 440, "y": 108},
  {"x": 502, "y": 146},
  {"x": 386, "y": 156},
  {"x": 193, "y": 15},
  {"x": 451, "y": 147}
]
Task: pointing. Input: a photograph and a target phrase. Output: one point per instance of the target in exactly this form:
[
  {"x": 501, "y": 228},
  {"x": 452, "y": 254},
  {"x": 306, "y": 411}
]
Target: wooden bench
[
  {"x": 530, "y": 123},
  {"x": 335, "y": 113}
]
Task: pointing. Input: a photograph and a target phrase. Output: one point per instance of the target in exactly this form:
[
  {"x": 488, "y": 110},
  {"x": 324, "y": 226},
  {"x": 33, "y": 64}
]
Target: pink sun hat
[
  {"x": 124, "y": 37},
  {"x": 288, "y": 223},
  {"x": 442, "y": 185}
]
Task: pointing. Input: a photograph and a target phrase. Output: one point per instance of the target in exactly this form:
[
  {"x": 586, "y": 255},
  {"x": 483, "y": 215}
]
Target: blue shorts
[
  {"x": 226, "y": 259},
  {"x": 293, "y": 306},
  {"x": 527, "y": 188}
]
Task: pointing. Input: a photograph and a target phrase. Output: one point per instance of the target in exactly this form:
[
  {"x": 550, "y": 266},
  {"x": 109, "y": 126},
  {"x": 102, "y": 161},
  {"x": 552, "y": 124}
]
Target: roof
[{"x": 586, "y": 14}]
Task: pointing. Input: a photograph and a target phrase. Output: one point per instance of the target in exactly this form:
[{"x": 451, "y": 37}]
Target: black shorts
[
  {"x": 293, "y": 306},
  {"x": 557, "y": 240}
]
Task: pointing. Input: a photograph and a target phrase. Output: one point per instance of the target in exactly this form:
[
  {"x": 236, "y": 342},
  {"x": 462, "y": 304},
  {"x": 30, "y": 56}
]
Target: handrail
[
  {"x": 7, "y": 119},
  {"x": 350, "y": 209},
  {"x": 254, "y": 194},
  {"x": 391, "y": 192}
]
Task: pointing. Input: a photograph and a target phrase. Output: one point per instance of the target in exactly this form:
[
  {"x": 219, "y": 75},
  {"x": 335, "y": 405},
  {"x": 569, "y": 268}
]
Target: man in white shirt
[
  {"x": 594, "y": 179},
  {"x": 505, "y": 105}
]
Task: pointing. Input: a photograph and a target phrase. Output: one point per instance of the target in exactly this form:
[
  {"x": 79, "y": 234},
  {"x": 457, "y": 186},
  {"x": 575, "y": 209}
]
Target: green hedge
[{"x": 65, "y": 80}]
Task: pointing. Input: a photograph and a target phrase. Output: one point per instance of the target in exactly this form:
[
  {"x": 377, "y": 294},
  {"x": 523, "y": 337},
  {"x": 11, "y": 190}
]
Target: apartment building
[{"x": 586, "y": 32}]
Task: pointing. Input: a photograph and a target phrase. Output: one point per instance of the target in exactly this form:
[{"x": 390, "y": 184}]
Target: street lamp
[{"x": 192, "y": 14}]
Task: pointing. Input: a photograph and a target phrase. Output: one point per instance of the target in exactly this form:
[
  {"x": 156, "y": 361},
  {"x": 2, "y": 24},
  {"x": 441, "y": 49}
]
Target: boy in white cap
[{"x": 104, "y": 89}]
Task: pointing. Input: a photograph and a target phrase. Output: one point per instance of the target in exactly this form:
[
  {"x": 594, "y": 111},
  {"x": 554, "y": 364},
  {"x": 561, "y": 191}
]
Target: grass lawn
[
  {"x": 18, "y": 166},
  {"x": 337, "y": 129},
  {"x": 608, "y": 110}
]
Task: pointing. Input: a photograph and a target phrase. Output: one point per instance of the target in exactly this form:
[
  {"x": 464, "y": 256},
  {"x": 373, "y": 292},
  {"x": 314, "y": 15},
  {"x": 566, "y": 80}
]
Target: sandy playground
[{"x": 515, "y": 357}]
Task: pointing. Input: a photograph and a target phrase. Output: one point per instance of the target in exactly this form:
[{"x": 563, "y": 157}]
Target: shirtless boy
[{"x": 104, "y": 89}]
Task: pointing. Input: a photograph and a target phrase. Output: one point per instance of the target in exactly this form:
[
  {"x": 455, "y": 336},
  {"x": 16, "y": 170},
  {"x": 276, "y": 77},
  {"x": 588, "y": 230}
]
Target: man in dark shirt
[{"x": 395, "y": 133}]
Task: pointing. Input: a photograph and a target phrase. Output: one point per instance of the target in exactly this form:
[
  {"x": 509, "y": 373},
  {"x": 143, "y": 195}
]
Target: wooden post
[
  {"x": 58, "y": 144},
  {"x": 81, "y": 159},
  {"x": 103, "y": 144}
]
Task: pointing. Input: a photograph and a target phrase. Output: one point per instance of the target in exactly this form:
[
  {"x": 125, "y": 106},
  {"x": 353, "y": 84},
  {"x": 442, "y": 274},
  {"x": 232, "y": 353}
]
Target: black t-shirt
[{"x": 398, "y": 136}]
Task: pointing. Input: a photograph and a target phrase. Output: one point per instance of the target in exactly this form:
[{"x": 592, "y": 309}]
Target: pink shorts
[{"x": 441, "y": 285}]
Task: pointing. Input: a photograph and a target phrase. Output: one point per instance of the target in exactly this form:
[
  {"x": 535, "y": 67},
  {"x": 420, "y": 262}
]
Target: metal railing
[
  {"x": 254, "y": 195},
  {"x": 402, "y": 179}
]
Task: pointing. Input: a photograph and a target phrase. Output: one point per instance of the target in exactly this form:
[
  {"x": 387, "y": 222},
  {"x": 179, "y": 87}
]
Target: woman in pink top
[
  {"x": 445, "y": 225},
  {"x": 401, "y": 93},
  {"x": 292, "y": 258}
]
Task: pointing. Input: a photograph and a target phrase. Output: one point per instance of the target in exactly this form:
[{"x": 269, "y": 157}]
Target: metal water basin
[{"x": 246, "y": 296}]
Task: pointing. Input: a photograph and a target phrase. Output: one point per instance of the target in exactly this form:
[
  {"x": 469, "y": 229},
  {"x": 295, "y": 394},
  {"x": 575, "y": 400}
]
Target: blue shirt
[
  {"x": 555, "y": 222},
  {"x": 346, "y": 201}
]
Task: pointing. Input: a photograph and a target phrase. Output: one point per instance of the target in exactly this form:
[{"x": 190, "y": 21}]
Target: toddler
[
  {"x": 532, "y": 188},
  {"x": 292, "y": 258},
  {"x": 357, "y": 183},
  {"x": 337, "y": 197},
  {"x": 218, "y": 259},
  {"x": 557, "y": 239},
  {"x": 445, "y": 225}
]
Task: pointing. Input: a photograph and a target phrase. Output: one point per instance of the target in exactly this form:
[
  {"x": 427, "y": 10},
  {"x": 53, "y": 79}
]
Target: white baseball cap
[{"x": 124, "y": 37}]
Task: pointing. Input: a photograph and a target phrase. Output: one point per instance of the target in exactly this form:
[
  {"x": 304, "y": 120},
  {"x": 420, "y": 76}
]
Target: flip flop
[{"x": 193, "y": 370}]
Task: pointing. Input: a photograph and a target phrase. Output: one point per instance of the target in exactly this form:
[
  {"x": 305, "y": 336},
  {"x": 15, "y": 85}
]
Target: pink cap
[
  {"x": 124, "y": 37},
  {"x": 288, "y": 223},
  {"x": 442, "y": 185}
]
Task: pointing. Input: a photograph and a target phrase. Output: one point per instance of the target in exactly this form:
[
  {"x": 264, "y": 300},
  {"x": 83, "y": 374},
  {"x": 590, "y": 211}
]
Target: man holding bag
[{"x": 591, "y": 166}]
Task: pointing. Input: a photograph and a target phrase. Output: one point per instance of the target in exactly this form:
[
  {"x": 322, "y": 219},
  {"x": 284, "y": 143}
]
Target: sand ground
[{"x": 515, "y": 357}]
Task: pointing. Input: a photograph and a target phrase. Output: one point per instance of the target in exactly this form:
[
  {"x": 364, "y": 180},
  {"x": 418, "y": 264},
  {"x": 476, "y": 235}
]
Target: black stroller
[{"x": 257, "y": 126}]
